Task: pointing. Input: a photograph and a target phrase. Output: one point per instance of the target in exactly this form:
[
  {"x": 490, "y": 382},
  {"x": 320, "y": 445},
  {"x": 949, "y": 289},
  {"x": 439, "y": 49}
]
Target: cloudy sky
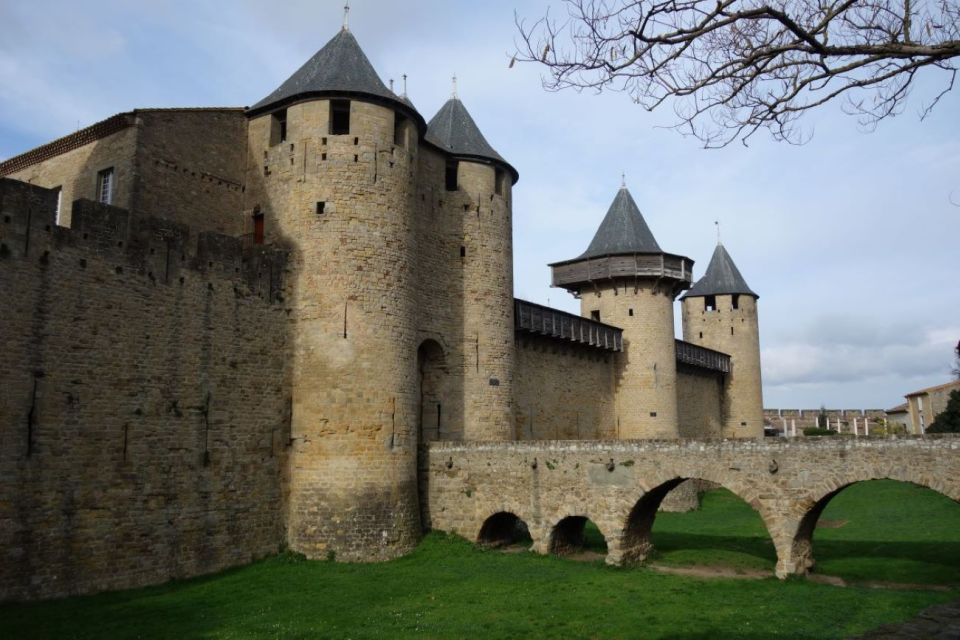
[{"x": 851, "y": 240}]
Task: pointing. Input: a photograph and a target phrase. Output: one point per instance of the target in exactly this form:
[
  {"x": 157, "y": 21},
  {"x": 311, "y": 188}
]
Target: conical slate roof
[
  {"x": 454, "y": 131},
  {"x": 722, "y": 277},
  {"x": 623, "y": 230},
  {"x": 339, "y": 67}
]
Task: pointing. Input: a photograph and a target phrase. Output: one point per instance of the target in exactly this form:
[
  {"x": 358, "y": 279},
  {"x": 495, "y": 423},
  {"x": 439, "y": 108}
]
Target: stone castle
[{"x": 230, "y": 330}]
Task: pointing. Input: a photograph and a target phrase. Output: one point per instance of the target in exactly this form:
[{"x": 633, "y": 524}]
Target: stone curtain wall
[
  {"x": 563, "y": 391},
  {"x": 620, "y": 485},
  {"x": 700, "y": 396},
  {"x": 144, "y": 408}
]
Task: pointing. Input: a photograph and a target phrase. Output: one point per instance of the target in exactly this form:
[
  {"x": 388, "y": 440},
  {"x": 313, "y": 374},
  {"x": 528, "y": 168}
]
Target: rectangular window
[
  {"x": 105, "y": 186},
  {"x": 57, "y": 213},
  {"x": 736, "y": 300},
  {"x": 258, "y": 228},
  {"x": 278, "y": 127},
  {"x": 710, "y": 303},
  {"x": 451, "y": 175},
  {"x": 595, "y": 315},
  {"x": 498, "y": 182},
  {"x": 339, "y": 117}
]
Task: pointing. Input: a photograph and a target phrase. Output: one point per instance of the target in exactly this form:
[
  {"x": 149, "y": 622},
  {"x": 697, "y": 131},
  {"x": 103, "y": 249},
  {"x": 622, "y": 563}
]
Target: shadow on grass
[{"x": 669, "y": 542}]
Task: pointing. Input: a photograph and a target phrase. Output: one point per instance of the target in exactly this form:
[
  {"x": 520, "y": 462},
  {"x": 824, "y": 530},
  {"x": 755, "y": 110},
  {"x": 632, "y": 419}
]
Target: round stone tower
[
  {"x": 478, "y": 182},
  {"x": 720, "y": 312},
  {"x": 331, "y": 175},
  {"x": 625, "y": 279}
]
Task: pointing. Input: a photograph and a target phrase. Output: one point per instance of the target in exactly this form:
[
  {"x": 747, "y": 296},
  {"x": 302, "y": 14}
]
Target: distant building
[
  {"x": 899, "y": 414},
  {"x": 926, "y": 404}
]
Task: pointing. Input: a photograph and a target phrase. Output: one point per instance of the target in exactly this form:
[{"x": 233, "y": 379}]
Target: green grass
[
  {"x": 891, "y": 531},
  {"x": 449, "y": 588}
]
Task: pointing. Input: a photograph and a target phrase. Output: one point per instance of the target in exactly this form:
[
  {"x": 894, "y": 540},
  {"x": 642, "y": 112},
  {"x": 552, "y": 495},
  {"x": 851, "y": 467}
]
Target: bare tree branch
[{"x": 733, "y": 67}]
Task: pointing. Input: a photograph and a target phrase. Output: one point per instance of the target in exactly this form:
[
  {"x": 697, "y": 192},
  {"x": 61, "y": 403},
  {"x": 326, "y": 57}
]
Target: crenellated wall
[{"x": 145, "y": 404}]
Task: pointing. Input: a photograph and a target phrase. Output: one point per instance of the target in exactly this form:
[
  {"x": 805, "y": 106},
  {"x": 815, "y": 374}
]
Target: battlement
[{"x": 159, "y": 249}]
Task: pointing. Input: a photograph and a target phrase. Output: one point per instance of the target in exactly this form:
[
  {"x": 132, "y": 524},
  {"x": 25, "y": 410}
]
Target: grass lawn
[
  {"x": 875, "y": 531},
  {"x": 448, "y": 588}
]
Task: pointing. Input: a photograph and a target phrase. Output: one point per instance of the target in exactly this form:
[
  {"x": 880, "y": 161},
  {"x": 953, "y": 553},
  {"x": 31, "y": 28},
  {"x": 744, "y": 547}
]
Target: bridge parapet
[{"x": 619, "y": 485}]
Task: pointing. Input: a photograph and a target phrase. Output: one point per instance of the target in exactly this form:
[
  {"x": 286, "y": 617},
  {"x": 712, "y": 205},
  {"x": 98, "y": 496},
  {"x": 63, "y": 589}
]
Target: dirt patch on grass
[
  {"x": 830, "y": 524},
  {"x": 707, "y": 571},
  {"x": 837, "y": 581}
]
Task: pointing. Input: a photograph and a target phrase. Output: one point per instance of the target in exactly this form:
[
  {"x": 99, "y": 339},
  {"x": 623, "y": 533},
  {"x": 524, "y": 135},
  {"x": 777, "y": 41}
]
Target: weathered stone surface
[{"x": 621, "y": 484}]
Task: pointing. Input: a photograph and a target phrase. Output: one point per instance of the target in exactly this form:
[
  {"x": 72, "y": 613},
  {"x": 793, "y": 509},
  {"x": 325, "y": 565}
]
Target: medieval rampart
[{"x": 143, "y": 419}]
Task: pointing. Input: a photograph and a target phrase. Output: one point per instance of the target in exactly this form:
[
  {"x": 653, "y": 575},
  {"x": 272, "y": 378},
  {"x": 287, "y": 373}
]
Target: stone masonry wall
[
  {"x": 344, "y": 203},
  {"x": 620, "y": 485},
  {"x": 144, "y": 407},
  {"x": 734, "y": 331},
  {"x": 563, "y": 391},
  {"x": 75, "y": 171},
  {"x": 647, "y": 367},
  {"x": 700, "y": 402},
  {"x": 190, "y": 167}
]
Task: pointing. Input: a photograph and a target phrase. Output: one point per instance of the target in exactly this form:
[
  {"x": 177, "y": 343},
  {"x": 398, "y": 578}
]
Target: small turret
[
  {"x": 720, "y": 312},
  {"x": 625, "y": 279},
  {"x": 477, "y": 193}
]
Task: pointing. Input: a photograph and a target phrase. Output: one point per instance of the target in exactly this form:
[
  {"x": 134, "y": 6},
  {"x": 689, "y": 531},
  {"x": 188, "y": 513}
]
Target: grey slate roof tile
[
  {"x": 339, "y": 67},
  {"x": 454, "y": 130},
  {"x": 722, "y": 278},
  {"x": 623, "y": 230}
]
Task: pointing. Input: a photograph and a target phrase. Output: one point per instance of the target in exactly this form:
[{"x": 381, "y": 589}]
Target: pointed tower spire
[
  {"x": 339, "y": 68},
  {"x": 623, "y": 230},
  {"x": 346, "y": 16},
  {"x": 722, "y": 277}
]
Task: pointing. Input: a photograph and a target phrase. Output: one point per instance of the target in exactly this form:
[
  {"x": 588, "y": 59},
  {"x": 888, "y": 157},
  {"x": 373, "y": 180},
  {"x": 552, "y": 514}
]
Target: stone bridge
[{"x": 479, "y": 489}]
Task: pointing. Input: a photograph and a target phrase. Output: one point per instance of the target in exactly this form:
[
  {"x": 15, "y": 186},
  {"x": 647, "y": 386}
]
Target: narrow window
[
  {"x": 56, "y": 218},
  {"x": 320, "y": 207},
  {"x": 105, "y": 186},
  {"x": 710, "y": 303},
  {"x": 398, "y": 126},
  {"x": 463, "y": 252},
  {"x": 451, "y": 176},
  {"x": 339, "y": 117},
  {"x": 278, "y": 127},
  {"x": 631, "y": 312},
  {"x": 258, "y": 228},
  {"x": 736, "y": 301},
  {"x": 701, "y": 334},
  {"x": 595, "y": 315},
  {"x": 731, "y": 330},
  {"x": 653, "y": 414},
  {"x": 498, "y": 182}
]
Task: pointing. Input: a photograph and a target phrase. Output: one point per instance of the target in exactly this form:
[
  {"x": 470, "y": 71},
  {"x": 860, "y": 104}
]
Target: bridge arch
[
  {"x": 634, "y": 541},
  {"x": 801, "y": 556},
  {"x": 568, "y": 534},
  {"x": 502, "y": 529}
]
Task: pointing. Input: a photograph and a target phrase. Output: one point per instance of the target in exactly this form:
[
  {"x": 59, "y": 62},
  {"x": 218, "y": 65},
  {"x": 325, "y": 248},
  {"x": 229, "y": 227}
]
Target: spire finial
[
  {"x": 346, "y": 16},
  {"x": 404, "y": 85},
  {"x": 717, "y": 223},
  {"x": 623, "y": 180},
  {"x": 391, "y": 86},
  {"x": 454, "y": 85}
]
